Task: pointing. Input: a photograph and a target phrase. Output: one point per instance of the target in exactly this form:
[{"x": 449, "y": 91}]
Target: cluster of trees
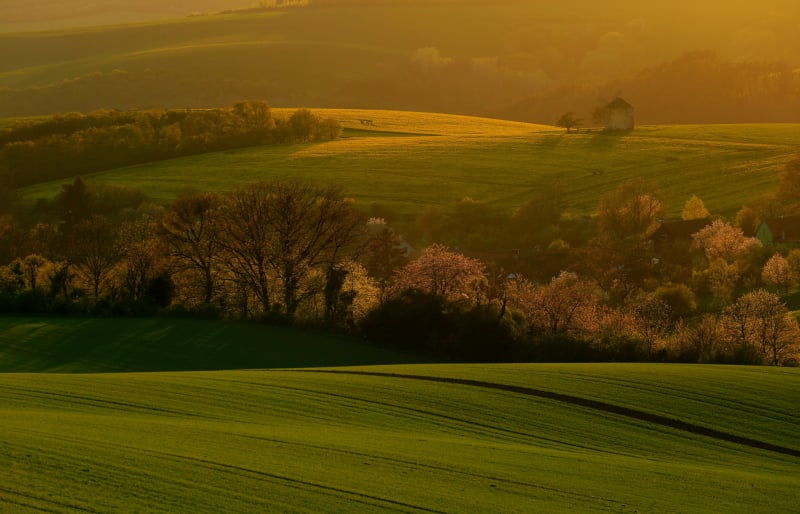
[
  {"x": 70, "y": 144},
  {"x": 298, "y": 253}
]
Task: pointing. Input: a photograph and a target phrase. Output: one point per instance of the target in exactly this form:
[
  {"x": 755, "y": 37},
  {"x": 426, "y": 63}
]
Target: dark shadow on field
[
  {"x": 607, "y": 140},
  {"x": 109, "y": 345},
  {"x": 586, "y": 403},
  {"x": 547, "y": 142}
]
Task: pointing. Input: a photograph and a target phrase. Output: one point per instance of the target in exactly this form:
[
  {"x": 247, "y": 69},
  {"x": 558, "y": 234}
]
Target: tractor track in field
[
  {"x": 627, "y": 412},
  {"x": 350, "y": 495},
  {"x": 39, "y": 499}
]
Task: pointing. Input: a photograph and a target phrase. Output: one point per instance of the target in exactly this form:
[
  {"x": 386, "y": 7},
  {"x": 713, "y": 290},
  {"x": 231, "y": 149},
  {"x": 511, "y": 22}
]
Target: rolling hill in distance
[
  {"x": 440, "y": 100},
  {"x": 530, "y": 61},
  {"x": 401, "y": 160}
]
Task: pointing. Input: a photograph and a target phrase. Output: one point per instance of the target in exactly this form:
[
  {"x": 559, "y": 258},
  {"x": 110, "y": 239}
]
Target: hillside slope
[
  {"x": 508, "y": 58},
  {"x": 297, "y": 441},
  {"x": 73, "y": 345},
  {"x": 402, "y": 160}
]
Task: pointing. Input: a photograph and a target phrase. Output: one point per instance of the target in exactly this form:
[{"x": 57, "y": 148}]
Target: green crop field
[
  {"x": 68, "y": 345},
  {"x": 404, "y": 160},
  {"x": 303, "y": 441}
]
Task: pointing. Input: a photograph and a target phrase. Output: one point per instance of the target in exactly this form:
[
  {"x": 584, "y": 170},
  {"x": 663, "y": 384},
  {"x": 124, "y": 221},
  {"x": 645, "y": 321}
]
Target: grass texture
[
  {"x": 300, "y": 441},
  {"x": 406, "y": 161}
]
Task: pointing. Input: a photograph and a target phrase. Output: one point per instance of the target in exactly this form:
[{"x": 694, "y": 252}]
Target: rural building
[
  {"x": 784, "y": 230},
  {"x": 619, "y": 115}
]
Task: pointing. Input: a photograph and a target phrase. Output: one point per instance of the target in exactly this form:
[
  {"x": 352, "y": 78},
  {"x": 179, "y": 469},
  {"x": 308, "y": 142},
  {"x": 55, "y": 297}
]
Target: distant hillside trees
[
  {"x": 73, "y": 144},
  {"x": 569, "y": 121}
]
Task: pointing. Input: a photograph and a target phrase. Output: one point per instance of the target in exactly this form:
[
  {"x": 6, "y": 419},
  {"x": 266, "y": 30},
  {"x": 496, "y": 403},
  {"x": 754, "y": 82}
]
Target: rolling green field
[
  {"x": 399, "y": 437},
  {"x": 299, "y": 441},
  {"x": 404, "y": 159},
  {"x": 70, "y": 345}
]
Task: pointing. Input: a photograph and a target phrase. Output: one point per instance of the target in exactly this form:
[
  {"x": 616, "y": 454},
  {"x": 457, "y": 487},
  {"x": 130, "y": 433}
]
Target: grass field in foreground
[
  {"x": 69, "y": 345},
  {"x": 302, "y": 441},
  {"x": 410, "y": 160}
]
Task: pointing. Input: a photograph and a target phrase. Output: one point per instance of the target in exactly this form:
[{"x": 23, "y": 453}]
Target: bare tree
[
  {"x": 94, "y": 250},
  {"x": 309, "y": 227},
  {"x": 141, "y": 251},
  {"x": 246, "y": 238},
  {"x": 190, "y": 230},
  {"x": 275, "y": 234}
]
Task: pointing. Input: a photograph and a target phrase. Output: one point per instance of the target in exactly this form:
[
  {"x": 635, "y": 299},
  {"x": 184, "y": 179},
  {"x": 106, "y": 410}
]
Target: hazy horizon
[{"x": 702, "y": 61}]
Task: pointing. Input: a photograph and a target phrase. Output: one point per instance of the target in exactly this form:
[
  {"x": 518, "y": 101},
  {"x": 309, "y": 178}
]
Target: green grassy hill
[
  {"x": 404, "y": 159},
  {"x": 71, "y": 345},
  {"x": 399, "y": 437},
  {"x": 296, "y": 441}
]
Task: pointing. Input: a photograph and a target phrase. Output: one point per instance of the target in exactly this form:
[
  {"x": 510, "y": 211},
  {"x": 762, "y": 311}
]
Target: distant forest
[
  {"x": 698, "y": 87},
  {"x": 67, "y": 145}
]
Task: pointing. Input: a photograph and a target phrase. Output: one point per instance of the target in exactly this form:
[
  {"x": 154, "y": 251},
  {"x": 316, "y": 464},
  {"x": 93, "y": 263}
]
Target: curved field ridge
[
  {"x": 286, "y": 441},
  {"x": 590, "y": 404}
]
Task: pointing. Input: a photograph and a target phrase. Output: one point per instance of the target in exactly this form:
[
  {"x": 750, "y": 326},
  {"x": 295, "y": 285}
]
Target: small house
[
  {"x": 619, "y": 115},
  {"x": 784, "y": 230}
]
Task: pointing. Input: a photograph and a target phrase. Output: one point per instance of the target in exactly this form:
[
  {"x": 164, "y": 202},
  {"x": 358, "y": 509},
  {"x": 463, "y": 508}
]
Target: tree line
[
  {"x": 292, "y": 252},
  {"x": 66, "y": 145}
]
